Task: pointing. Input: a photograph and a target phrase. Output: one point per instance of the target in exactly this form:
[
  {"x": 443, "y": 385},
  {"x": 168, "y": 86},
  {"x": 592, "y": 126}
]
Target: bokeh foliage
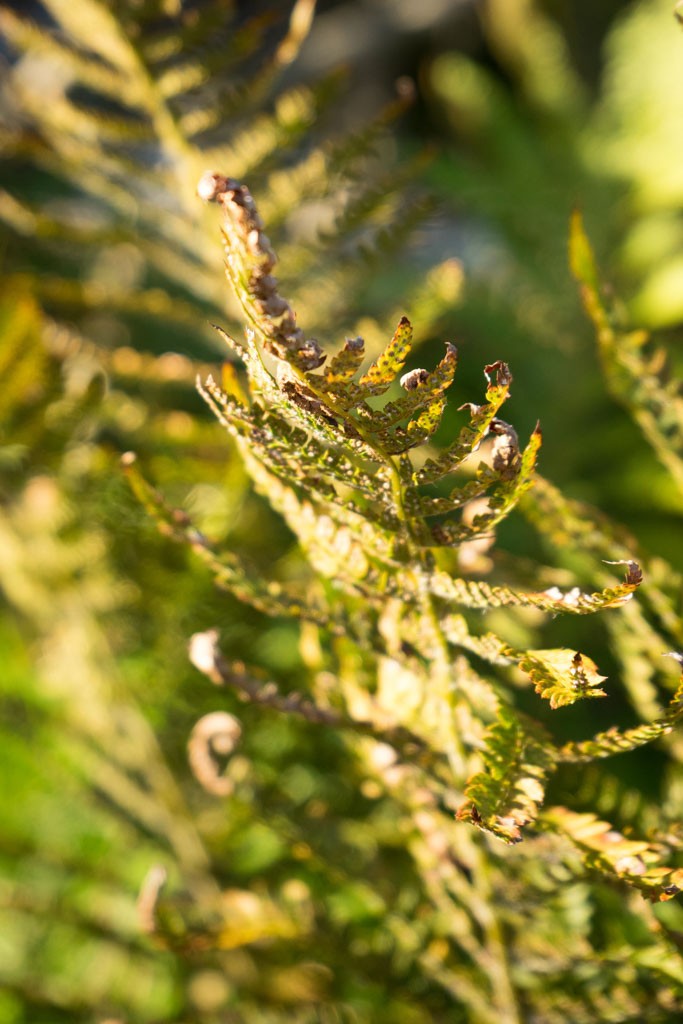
[{"x": 311, "y": 889}]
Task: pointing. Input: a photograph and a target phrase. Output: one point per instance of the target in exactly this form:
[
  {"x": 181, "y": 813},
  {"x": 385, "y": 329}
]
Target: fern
[
  {"x": 635, "y": 861},
  {"x": 614, "y": 740},
  {"x": 633, "y": 377},
  {"x": 341, "y": 473},
  {"x": 399, "y": 770},
  {"x": 128, "y": 175},
  {"x": 508, "y": 794}
]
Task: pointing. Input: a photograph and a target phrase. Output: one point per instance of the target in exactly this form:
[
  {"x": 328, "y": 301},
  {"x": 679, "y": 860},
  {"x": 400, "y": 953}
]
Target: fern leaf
[
  {"x": 354, "y": 557},
  {"x": 66, "y": 296},
  {"x": 228, "y": 570},
  {"x": 562, "y": 676},
  {"x": 428, "y": 398},
  {"x": 343, "y": 366},
  {"x": 300, "y": 456},
  {"x": 427, "y": 422},
  {"x": 582, "y": 262},
  {"x": 566, "y": 522},
  {"x": 633, "y": 861},
  {"x": 516, "y": 474},
  {"x": 508, "y": 794},
  {"x": 96, "y": 29},
  {"x": 559, "y": 675},
  {"x": 477, "y": 594},
  {"x": 424, "y": 390},
  {"x": 425, "y": 507},
  {"x": 249, "y": 262},
  {"x": 488, "y": 646},
  {"x": 26, "y": 36},
  {"x": 345, "y": 156},
  {"x": 617, "y": 741},
  {"x": 471, "y": 436},
  {"x": 389, "y": 363},
  {"x": 633, "y": 378}
]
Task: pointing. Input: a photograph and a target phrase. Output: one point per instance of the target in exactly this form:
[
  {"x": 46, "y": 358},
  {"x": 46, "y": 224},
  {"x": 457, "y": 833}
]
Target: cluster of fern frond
[
  {"x": 391, "y": 815},
  {"x": 109, "y": 114},
  {"x": 381, "y": 516}
]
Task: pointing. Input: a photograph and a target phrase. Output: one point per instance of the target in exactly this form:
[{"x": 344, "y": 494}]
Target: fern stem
[{"x": 446, "y": 690}]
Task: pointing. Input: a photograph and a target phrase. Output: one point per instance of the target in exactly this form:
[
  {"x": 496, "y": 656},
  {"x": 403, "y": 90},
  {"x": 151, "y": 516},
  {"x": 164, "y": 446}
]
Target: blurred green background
[{"x": 454, "y": 210}]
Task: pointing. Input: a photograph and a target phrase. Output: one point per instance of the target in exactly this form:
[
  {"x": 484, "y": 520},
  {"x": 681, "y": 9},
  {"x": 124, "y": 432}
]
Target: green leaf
[
  {"x": 581, "y": 256},
  {"x": 249, "y": 260},
  {"x": 229, "y": 571},
  {"x": 617, "y": 741},
  {"x": 507, "y": 795},
  {"x": 517, "y": 473},
  {"x": 459, "y": 496},
  {"x": 471, "y": 436},
  {"x": 423, "y": 390},
  {"x": 390, "y": 362},
  {"x": 423, "y": 426},
  {"x": 633, "y": 375},
  {"x": 343, "y": 366},
  {"x": 561, "y": 676},
  {"x": 633, "y": 861},
  {"x": 477, "y": 594}
]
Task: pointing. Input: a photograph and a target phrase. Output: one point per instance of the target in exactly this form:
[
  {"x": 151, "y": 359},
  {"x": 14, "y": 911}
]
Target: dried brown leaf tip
[
  {"x": 578, "y": 674},
  {"x": 211, "y": 186},
  {"x": 502, "y": 372},
  {"x": 249, "y": 262},
  {"x": 634, "y": 575}
]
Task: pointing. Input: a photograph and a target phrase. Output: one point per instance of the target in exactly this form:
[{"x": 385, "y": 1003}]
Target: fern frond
[
  {"x": 29, "y": 379},
  {"x": 477, "y": 594},
  {"x": 516, "y": 472},
  {"x": 183, "y": 57},
  {"x": 617, "y": 741},
  {"x": 389, "y": 363},
  {"x": 568, "y": 523},
  {"x": 470, "y": 437},
  {"x": 572, "y": 525},
  {"x": 561, "y": 676},
  {"x": 348, "y": 156},
  {"x": 508, "y": 794},
  {"x": 25, "y": 35},
  {"x": 633, "y": 378},
  {"x": 96, "y": 30},
  {"x": 249, "y": 262},
  {"x": 228, "y": 570},
  {"x": 635, "y": 862},
  {"x": 65, "y": 296},
  {"x": 343, "y": 365},
  {"x": 255, "y": 145},
  {"x": 205, "y": 655},
  {"x": 423, "y": 506},
  {"x": 487, "y": 646}
]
